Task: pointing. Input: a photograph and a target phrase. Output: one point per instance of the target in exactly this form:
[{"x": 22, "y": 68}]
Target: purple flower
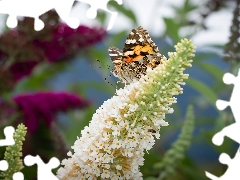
[
  {"x": 60, "y": 43},
  {"x": 21, "y": 69},
  {"x": 44, "y": 105},
  {"x": 66, "y": 41}
]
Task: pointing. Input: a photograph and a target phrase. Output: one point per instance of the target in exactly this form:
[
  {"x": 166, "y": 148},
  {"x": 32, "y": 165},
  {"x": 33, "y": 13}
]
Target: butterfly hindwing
[{"x": 115, "y": 53}]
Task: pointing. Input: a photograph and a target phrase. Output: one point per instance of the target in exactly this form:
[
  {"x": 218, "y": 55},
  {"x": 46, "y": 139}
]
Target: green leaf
[
  {"x": 236, "y": 69},
  {"x": 124, "y": 11},
  {"x": 172, "y": 29},
  {"x": 189, "y": 6},
  {"x": 99, "y": 58},
  {"x": 5, "y": 28},
  {"x": 203, "y": 89},
  {"x": 83, "y": 87},
  {"x": 213, "y": 70},
  {"x": 182, "y": 13},
  {"x": 203, "y": 56},
  {"x": 150, "y": 178},
  {"x": 117, "y": 38},
  {"x": 79, "y": 119},
  {"x": 39, "y": 76},
  {"x": 102, "y": 16}
]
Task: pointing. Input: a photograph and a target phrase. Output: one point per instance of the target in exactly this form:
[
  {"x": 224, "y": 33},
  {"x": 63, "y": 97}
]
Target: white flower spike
[{"x": 113, "y": 145}]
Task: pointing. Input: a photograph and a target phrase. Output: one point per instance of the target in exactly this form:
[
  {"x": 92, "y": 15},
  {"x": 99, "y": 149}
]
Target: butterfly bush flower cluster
[
  {"x": 44, "y": 105},
  {"x": 113, "y": 145}
]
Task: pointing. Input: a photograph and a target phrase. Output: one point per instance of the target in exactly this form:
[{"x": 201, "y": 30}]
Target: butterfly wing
[
  {"x": 139, "y": 44},
  {"x": 115, "y": 54}
]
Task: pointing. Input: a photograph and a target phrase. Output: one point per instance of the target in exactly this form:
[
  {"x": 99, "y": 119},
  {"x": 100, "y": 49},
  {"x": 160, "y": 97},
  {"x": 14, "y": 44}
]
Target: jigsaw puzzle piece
[
  {"x": 3, "y": 165},
  {"x": 12, "y": 21},
  {"x": 8, "y": 132},
  {"x": 231, "y": 131},
  {"x": 232, "y": 172},
  {"x": 18, "y": 176},
  {"x": 221, "y": 104},
  {"x": 234, "y": 100},
  {"x": 100, "y": 4},
  {"x": 44, "y": 170},
  {"x": 34, "y": 9},
  {"x": 63, "y": 8},
  {"x": 229, "y": 78},
  {"x": 26, "y": 8},
  {"x": 211, "y": 176}
]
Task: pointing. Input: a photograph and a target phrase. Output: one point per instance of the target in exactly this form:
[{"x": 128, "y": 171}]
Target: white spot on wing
[
  {"x": 128, "y": 53},
  {"x": 141, "y": 39},
  {"x": 130, "y": 41},
  {"x": 113, "y": 54},
  {"x": 134, "y": 41}
]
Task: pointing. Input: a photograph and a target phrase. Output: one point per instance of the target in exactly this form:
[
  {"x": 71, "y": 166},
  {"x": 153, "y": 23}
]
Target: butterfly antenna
[
  {"x": 108, "y": 67},
  {"x": 95, "y": 66},
  {"x": 108, "y": 81}
]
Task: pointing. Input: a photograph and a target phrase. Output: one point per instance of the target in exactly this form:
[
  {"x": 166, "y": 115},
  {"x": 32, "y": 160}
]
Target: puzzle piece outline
[
  {"x": 8, "y": 133},
  {"x": 3, "y": 165},
  {"x": 8, "y": 141},
  {"x": 44, "y": 171},
  {"x": 100, "y": 4},
  {"x": 28, "y": 160},
  {"x": 35, "y": 8},
  {"x": 230, "y": 131}
]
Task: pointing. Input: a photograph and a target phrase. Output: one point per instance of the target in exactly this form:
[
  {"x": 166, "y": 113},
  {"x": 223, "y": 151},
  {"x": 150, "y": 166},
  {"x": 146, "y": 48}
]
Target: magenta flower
[
  {"x": 21, "y": 69},
  {"x": 65, "y": 41},
  {"x": 59, "y": 44},
  {"x": 44, "y": 105}
]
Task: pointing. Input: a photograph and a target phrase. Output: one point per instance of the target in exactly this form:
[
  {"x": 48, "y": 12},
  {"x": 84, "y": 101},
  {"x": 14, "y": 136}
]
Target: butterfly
[{"x": 139, "y": 53}]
